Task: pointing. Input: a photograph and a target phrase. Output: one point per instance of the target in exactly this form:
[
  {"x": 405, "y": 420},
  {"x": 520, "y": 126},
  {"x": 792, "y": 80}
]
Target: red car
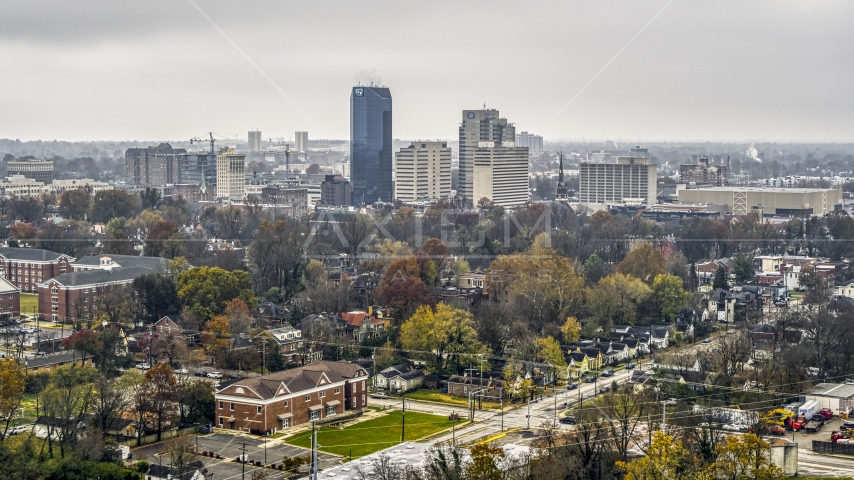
[
  {"x": 777, "y": 430},
  {"x": 826, "y": 413}
]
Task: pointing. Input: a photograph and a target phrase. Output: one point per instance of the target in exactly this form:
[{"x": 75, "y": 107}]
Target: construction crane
[{"x": 201, "y": 140}]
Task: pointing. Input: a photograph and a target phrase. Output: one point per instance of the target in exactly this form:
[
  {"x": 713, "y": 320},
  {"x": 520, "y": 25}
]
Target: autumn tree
[
  {"x": 12, "y": 383},
  {"x": 75, "y": 204},
  {"x": 743, "y": 457},
  {"x": 543, "y": 286},
  {"x": 643, "y": 263},
  {"x": 484, "y": 463},
  {"x": 114, "y": 203},
  {"x": 164, "y": 240},
  {"x": 571, "y": 330},
  {"x": 163, "y": 388},
  {"x": 615, "y": 300},
  {"x": 663, "y": 460},
  {"x": 668, "y": 294},
  {"x": 444, "y": 336},
  {"x": 549, "y": 352},
  {"x": 276, "y": 256},
  {"x": 206, "y": 290}
]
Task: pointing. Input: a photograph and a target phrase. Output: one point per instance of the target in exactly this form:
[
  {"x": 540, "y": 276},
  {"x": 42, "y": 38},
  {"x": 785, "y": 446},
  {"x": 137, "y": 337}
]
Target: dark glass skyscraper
[{"x": 371, "y": 161}]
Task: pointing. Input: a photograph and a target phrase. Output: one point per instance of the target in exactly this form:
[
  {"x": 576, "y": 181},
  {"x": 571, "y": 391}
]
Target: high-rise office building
[
  {"x": 491, "y": 165},
  {"x": 630, "y": 181},
  {"x": 230, "y": 174},
  {"x": 422, "y": 171},
  {"x": 703, "y": 174},
  {"x": 38, "y": 170},
  {"x": 254, "y": 141},
  {"x": 371, "y": 145},
  {"x": 196, "y": 166},
  {"x": 335, "y": 191},
  {"x": 532, "y": 141},
  {"x": 301, "y": 141},
  {"x": 158, "y": 165}
]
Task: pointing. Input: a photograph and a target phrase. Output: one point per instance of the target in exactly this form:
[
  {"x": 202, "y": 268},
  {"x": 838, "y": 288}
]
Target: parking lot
[{"x": 230, "y": 447}]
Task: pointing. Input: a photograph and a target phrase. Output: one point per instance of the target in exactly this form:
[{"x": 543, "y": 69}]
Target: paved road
[
  {"x": 540, "y": 411},
  {"x": 810, "y": 463}
]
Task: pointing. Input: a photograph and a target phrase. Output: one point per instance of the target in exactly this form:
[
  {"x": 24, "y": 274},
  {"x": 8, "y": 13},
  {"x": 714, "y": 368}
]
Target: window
[
  {"x": 363, "y": 399},
  {"x": 54, "y": 308},
  {"x": 308, "y": 398},
  {"x": 286, "y": 403},
  {"x": 337, "y": 390},
  {"x": 54, "y": 299},
  {"x": 220, "y": 420},
  {"x": 363, "y": 384},
  {"x": 330, "y": 410},
  {"x": 55, "y": 318},
  {"x": 354, "y": 402},
  {"x": 54, "y": 290},
  {"x": 322, "y": 394},
  {"x": 312, "y": 415},
  {"x": 85, "y": 290},
  {"x": 259, "y": 409},
  {"x": 220, "y": 405},
  {"x": 231, "y": 406},
  {"x": 286, "y": 423}
]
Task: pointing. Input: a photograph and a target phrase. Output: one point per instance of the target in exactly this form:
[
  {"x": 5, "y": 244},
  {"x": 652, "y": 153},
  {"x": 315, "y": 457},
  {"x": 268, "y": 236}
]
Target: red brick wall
[
  {"x": 10, "y": 303},
  {"x": 29, "y": 276},
  {"x": 247, "y": 417}
]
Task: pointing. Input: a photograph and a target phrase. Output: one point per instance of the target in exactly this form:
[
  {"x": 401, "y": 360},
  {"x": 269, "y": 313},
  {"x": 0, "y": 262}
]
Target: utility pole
[
  {"x": 265, "y": 446},
  {"x": 243, "y": 460},
  {"x": 664, "y": 416},
  {"x": 264, "y": 370},
  {"x": 502, "y": 411},
  {"x": 529, "y": 413},
  {"x": 403, "y": 421},
  {"x": 314, "y": 451}
]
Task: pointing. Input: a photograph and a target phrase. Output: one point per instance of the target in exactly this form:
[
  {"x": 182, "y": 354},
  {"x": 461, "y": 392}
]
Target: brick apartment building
[
  {"x": 26, "y": 267},
  {"x": 292, "y": 397},
  {"x": 75, "y": 295},
  {"x": 10, "y": 299}
]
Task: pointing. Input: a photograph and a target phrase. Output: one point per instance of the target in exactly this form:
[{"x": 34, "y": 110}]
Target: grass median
[{"x": 367, "y": 437}]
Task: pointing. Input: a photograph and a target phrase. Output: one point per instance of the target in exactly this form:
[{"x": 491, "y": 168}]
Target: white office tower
[
  {"x": 301, "y": 141},
  {"x": 230, "y": 174},
  {"x": 254, "y": 141},
  {"x": 423, "y": 171},
  {"x": 491, "y": 165},
  {"x": 630, "y": 181}
]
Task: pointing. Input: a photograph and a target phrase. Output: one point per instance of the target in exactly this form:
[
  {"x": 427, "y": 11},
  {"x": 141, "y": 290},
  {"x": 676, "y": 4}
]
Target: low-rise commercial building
[
  {"x": 284, "y": 399},
  {"x": 767, "y": 201}
]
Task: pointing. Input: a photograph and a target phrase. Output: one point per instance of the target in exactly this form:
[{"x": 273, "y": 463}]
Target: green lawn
[
  {"x": 438, "y": 396},
  {"x": 29, "y": 301},
  {"x": 367, "y": 437},
  {"x": 29, "y": 405}
]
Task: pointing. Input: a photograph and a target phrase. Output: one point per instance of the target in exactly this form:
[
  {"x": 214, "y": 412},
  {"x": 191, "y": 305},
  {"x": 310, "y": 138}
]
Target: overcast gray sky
[{"x": 722, "y": 70}]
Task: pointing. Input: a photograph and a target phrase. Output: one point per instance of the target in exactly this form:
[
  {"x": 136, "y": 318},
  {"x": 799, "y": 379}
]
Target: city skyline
[{"x": 727, "y": 71}]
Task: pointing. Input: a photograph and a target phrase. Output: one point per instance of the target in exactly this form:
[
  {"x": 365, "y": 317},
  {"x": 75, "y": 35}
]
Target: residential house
[
  {"x": 463, "y": 385},
  {"x": 291, "y": 343},
  {"x": 659, "y": 338},
  {"x": 272, "y": 313},
  {"x": 400, "y": 378},
  {"x": 577, "y": 364},
  {"x": 122, "y": 346},
  {"x": 281, "y": 400},
  {"x": 595, "y": 359},
  {"x": 167, "y": 326},
  {"x": 471, "y": 280},
  {"x": 364, "y": 325}
]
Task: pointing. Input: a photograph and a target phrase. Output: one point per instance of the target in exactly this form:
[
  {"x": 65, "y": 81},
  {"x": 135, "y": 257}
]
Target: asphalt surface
[{"x": 230, "y": 447}]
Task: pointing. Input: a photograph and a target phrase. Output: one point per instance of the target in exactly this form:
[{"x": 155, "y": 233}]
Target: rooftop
[
  {"x": 761, "y": 189},
  {"x": 837, "y": 390}
]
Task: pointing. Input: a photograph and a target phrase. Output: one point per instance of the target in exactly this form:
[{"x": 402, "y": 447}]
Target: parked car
[
  {"x": 235, "y": 376},
  {"x": 605, "y": 389},
  {"x": 18, "y": 429},
  {"x": 777, "y": 430},
  {"x": 182, "y": 371},
  {"x": 201, "y": 373},
  {"x": 572, "y": 386},
  {"x": 215, "y": 375},
  {"x": 630, "y": 366},
  {"x": 143, "y": 366},
  {"x": 707, "y": 340},
  {"x": 608, "y": 373},
  {"x": 381, "y": 395},
  {"x": 589, "y": 379},
  {"x": 569, "y": 420},
  {"x": 670, "y": 402},
  {"x": 826, "y": 413}
]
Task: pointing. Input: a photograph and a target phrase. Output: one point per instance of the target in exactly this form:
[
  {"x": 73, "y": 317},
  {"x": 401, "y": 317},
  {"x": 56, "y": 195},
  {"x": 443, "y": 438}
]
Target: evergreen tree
[
  {"x": 721, "y": 279},
  {"x": 275, "y": 362}
]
